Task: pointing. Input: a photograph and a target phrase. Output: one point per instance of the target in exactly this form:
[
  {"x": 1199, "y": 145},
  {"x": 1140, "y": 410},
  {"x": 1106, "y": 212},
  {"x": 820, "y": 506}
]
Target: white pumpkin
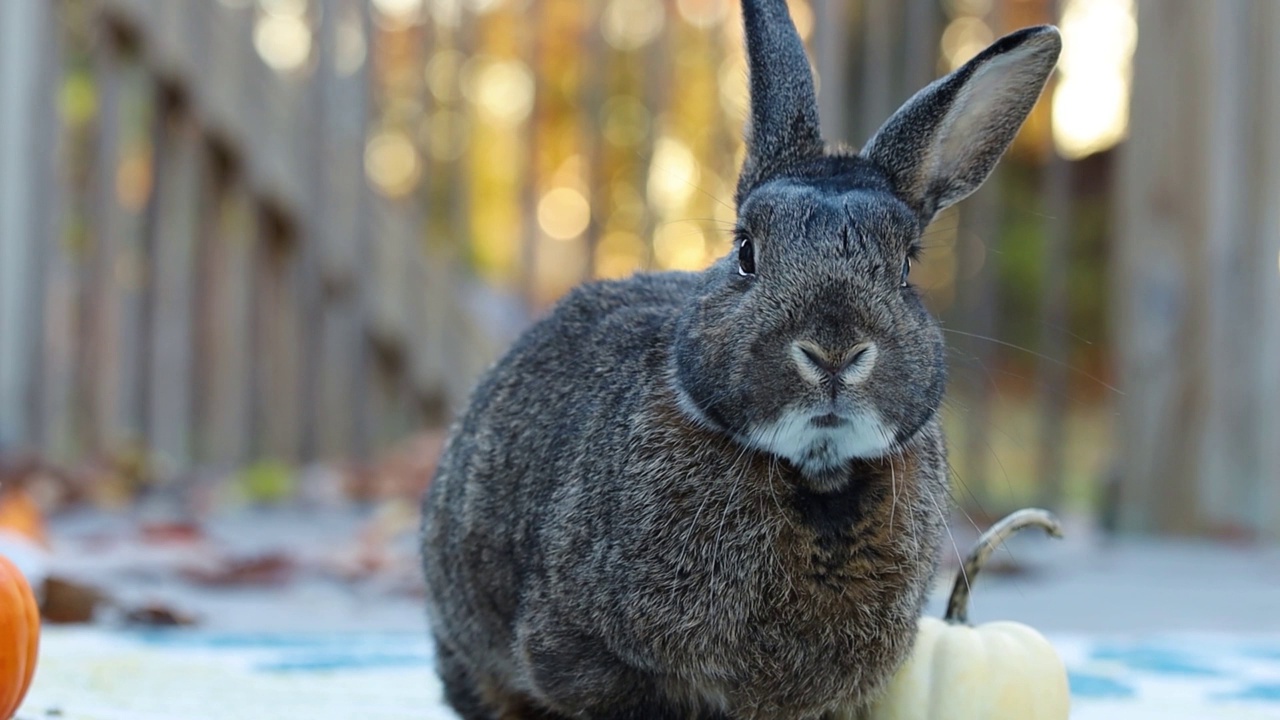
[{"x": 997, "y": 671}]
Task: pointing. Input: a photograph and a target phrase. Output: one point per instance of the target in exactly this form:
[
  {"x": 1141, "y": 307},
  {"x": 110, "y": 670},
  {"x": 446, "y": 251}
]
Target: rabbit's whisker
[
  {"x": 987, "y": 443},
  {"x": 1033, "y": 353},
  {"x": 947, "y": 524},
  {"x": 940, "y": 229},
  {"x": 974, "y": 361},
  {"x": 695, "y": 221},
  {"x": 893, "y": 488},
  {"x": 709, "y": 490},
  {"x": 728, "y": 508},
  {"x": 911, "y": 516},
  {"x": 693, "y": 185},
  {"x": 773, "y": 491}
]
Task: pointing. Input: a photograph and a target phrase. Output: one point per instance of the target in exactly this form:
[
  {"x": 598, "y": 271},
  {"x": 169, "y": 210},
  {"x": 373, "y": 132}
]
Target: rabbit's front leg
[{"x": 574, "y": 670}]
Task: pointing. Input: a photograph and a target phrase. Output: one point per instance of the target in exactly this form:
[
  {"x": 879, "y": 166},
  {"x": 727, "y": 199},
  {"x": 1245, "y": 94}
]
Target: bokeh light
[
  {"x": 673, "y": 176},
  {"x": 563, "y": 213},
  {"x": 625, "y": 121},
  {"x": 448, "y": 133},
  {"x": 133, "y": 180},
  {"x": 391, "y": 161},
  {"x": 442, "y": 74},
  {"x": 285, "y": 8},
  {"x": 627, "y": 206},
  {"x": 502, "y": 90},
  {"x": 399, "y": 12},
  {"x": 632, "y": 24},
  {"x": 1091, "y": 101},
  {"x": 350, "y": 47},
  {"x": 481, "y": 7},
  {"x": 964, "y": 38},
  {"x": 703, "y": 13},
  {"x": 446, "y": 13},
  {"x": 958, "y": 8},
  {"x": 281, "y": 34}
]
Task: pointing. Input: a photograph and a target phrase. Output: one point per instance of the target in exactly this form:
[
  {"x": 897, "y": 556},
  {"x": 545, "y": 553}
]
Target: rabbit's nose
[{"x": 820, "y": 366}]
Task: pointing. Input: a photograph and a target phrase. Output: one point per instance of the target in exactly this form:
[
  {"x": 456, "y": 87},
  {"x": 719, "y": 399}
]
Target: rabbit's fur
[{"x": 659, "y": 504}]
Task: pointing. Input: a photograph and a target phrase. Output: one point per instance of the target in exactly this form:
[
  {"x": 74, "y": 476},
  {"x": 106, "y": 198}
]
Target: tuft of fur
[{"x": 722, "y": 494}]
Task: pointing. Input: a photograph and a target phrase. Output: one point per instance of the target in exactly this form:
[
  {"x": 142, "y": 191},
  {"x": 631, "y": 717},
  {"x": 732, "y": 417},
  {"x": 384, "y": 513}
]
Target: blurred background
[{"x": 254, "y": 253}]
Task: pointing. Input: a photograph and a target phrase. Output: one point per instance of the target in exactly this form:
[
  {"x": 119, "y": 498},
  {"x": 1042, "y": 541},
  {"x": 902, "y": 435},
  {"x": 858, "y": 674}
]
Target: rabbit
[{"x": 722, "y": 494}]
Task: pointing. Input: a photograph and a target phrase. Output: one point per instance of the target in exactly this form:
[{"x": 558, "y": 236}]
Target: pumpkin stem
[{"x": 958, "y": 606}]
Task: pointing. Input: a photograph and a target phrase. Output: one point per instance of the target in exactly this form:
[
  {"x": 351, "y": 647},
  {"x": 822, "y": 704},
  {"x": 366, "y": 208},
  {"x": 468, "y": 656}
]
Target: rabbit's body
[
  {"x": 626, "y": 552},
  {"x": 721, "y": 494}
]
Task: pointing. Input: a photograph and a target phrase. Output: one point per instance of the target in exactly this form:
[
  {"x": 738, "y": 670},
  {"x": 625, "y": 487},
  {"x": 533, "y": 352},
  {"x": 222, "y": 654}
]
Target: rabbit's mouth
[
  {"x": 818, "y": 442},
  {"x": 829, "y": 420}
]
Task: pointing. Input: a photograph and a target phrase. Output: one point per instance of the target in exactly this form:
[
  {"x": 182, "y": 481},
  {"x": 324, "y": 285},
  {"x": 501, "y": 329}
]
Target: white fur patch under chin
[{"x": 814, "y": 448}]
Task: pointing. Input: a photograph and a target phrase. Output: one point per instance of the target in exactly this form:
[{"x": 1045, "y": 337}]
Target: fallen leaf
[
  {"x": 171, "y": 532},
  {"x": 268, "y": 482},
  {"x": 159, "y": 615},
  {"x": 20, "y": 514},
  {"x": 67, "y": 601},
  {"x": 270, "y": 570}
]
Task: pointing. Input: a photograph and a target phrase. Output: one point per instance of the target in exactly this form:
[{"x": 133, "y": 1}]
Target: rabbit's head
[{"x": 807, "y": 341}]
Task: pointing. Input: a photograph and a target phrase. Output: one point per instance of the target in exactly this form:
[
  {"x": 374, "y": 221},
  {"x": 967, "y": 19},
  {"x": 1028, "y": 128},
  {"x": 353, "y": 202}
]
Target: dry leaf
[
  {"x": 20, "y": 514},
  {"x": 268, "y": 570},
  {"x": 66, "y": 601}
]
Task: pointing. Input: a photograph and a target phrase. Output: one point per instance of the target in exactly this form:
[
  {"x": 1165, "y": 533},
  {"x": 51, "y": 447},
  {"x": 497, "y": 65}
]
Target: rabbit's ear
[
  {"x": 944, "y": 142},
  {"x": 783, "y": 128}
]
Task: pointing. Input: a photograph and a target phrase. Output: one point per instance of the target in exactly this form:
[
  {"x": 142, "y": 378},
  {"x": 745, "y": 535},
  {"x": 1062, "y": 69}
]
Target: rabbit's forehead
[{"x": 796, "y": 209}]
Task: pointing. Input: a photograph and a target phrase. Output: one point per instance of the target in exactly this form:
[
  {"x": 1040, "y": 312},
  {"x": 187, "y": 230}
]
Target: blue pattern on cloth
[
  {"x": 1174, "y": 676},
  {"x": 1097, "y": 686},
  {"x": 1182, "y": 677}
]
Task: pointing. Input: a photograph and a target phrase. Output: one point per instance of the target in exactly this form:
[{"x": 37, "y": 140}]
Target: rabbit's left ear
[
  {"x": 944, "y": 142},
  {"x": 783, "y": 128}
]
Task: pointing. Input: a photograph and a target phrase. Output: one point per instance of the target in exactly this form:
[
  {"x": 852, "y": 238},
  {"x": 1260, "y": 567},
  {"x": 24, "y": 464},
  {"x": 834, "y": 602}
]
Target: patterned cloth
[
  {"x": 100, "y": 675},
  {"x": 1207, "y": 677}
]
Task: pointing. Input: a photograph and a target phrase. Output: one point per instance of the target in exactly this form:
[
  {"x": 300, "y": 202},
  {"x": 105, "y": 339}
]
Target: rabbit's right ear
[
  {"x": 783, "y": 128},
  {"x": 944, "y": 142}
]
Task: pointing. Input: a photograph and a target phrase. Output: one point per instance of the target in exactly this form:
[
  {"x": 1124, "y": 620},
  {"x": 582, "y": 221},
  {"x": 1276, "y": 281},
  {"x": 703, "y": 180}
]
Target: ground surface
[{"x": 1149, "y": 630}]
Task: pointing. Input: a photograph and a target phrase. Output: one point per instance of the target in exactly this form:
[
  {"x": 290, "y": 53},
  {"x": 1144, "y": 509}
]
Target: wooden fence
[
  {"x": 197, "y": 262},
  {"x": 1197, "y": 273},
  {"x": 193, "y": 258},
  {"x": 221, "y": 246}
]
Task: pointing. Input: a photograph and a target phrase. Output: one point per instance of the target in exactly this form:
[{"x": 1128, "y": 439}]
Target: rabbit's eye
[
  {"x": 746, "y": 258},
  {"x": 906, "y": 272}
]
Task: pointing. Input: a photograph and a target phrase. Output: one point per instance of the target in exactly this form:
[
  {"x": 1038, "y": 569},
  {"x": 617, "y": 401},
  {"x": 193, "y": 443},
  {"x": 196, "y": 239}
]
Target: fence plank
[
  {"x": 1196, "y": 219},
  {"x": 22, "y": 27},
  {"x": 317, "y": 226},
  {"x": 171, "y": 260},
  {"x": 1052, "y": 370},
  {"x": 97, "y": 364},
  {"x": 1230, "y": 454},
  {"x": 877, "y": 80},
  {"x": 830, "y": 34},
  {"x": 122, "y": 404},
  {"x": 343, "y": 246},
  {"x": 227, "y": 246},
  {"x": 1266, "y": 275},
  {"x": 277, "y": 320},
  {"x": 47, "y": 206}
]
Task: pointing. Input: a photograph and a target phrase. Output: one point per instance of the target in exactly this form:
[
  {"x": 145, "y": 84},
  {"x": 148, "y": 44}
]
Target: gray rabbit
[{"x": 722, "y": 494}]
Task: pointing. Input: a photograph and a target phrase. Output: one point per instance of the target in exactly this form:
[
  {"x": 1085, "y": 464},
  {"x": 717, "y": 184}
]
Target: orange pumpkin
[{"x": 19, "y": 637}]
